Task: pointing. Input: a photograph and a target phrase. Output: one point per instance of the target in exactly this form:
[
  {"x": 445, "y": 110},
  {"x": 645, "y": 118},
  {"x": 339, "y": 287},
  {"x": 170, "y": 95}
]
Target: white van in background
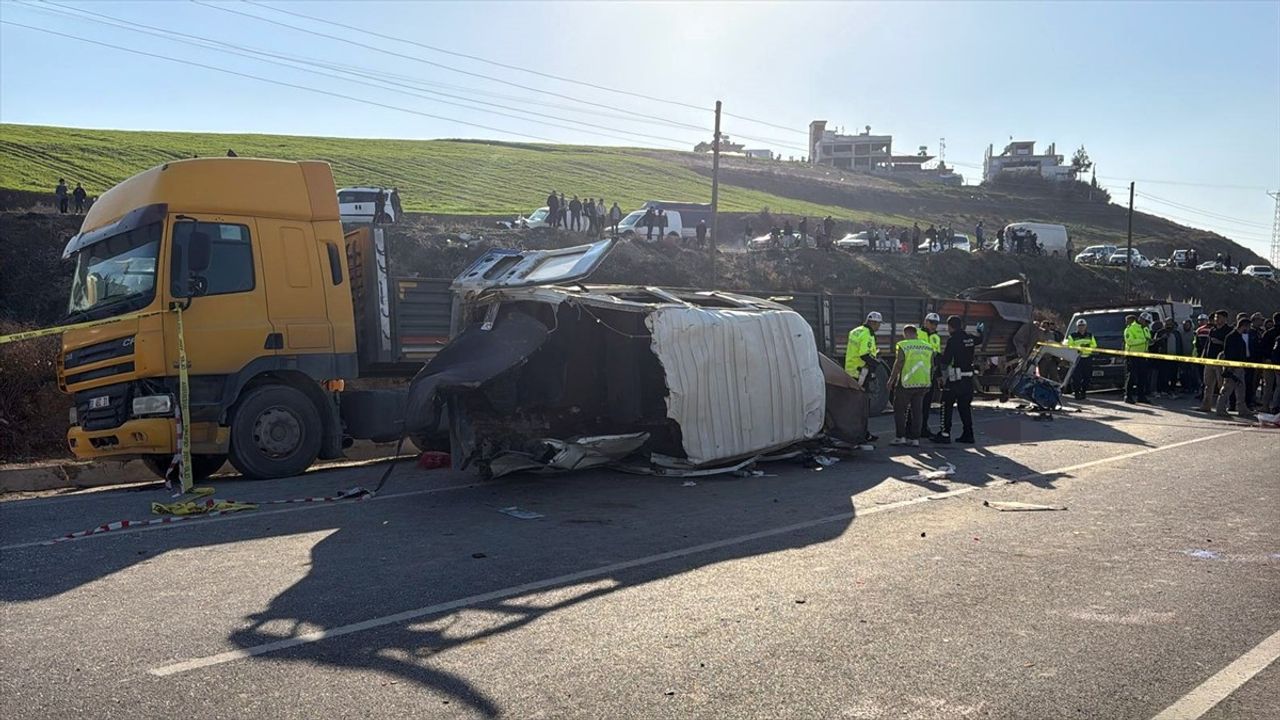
[
  {"x": 369, "y": 205},
  {"x": 1052, "y": 238},
  {"x": 682, "y": 219}
]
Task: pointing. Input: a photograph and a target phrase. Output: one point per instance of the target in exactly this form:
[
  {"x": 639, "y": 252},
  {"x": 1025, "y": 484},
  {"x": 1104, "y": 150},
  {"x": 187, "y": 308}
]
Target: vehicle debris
[
  {"x": 546, "y": 374},
  {"x": 1011, "y": 506},
  {"x": 941, "y": 473},
  {"x": 515, "y": 512}
]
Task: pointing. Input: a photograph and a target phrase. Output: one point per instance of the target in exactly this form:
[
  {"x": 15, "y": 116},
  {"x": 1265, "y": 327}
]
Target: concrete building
[
  {"x": 1020, "y": 158},
  {"x": 759, "y": 153},
  {"x": 864, "y": 152}
]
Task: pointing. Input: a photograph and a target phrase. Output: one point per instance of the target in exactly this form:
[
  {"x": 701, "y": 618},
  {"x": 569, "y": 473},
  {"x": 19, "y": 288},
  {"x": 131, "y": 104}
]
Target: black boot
[{"x": 966, "y": 438}]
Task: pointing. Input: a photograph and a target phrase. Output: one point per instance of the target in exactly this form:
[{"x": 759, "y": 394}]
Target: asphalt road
[{"x": 852, "y": 591}]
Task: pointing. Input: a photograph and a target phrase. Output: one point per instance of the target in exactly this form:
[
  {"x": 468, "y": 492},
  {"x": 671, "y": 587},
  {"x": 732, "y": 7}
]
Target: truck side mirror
[{"x": 199, "y": 249}]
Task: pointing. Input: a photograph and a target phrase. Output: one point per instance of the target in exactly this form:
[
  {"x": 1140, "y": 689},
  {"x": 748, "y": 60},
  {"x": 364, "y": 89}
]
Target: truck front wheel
[{"x": 275, "y": 432}]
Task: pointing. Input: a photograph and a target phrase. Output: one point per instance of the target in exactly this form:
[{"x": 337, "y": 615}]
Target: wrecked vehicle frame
[{"x": 545, "y": 374}]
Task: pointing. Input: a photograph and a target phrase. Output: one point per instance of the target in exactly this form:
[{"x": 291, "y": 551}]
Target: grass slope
[
  {"x": 465, "y": 177},
  {"x": 441, "y": 176}
]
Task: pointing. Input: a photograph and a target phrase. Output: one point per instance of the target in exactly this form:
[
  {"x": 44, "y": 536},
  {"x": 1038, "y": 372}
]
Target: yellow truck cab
[{"x": 254, "y": 253}]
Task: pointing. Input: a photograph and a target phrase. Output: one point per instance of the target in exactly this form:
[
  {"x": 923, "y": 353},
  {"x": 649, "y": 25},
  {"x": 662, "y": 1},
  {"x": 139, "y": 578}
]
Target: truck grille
[
  {"x": 119, "y": 398},
  {"x": 117, "y": 347}
]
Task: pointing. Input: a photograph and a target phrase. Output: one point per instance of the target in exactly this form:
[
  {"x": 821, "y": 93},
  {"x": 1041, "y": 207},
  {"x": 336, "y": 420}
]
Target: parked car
[
  {"x": 782, "y": 242},
  {"x": 959, "y": 241},
  {"x": 1096, "y": 254},
  {"x": 536, "y": 219},
  {"x": 1215, "y": 266},
  {"x": 1121, "y": 257},
  {"x": 1181, "y": 259},
  {"x": 1260, "y": 271},
  {"x": 369, "y": 205},
  {"x": 860, "y": 241}
]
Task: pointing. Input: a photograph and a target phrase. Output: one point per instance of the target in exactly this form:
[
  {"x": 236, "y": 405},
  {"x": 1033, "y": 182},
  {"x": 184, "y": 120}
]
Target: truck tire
[
  {"x": 202, "y": 466},
  {"x": 275, "y": 432}
]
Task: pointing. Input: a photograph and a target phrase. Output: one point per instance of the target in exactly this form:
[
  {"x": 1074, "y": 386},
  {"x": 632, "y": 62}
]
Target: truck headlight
[
  {"x": 152, "y": 405},
  {"x": 71, "y": 416}
]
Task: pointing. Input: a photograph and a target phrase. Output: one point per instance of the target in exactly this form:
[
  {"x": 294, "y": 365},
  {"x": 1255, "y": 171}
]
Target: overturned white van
[{"x": 545, "y": 374}]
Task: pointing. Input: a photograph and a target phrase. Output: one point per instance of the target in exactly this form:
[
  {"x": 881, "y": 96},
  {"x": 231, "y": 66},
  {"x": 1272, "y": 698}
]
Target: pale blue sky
[{"x": 1170, "y": 92}]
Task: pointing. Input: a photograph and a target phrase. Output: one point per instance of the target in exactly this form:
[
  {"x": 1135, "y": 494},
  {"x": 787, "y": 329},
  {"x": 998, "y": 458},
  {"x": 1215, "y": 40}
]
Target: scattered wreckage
[{"x": 546, "y": 374}]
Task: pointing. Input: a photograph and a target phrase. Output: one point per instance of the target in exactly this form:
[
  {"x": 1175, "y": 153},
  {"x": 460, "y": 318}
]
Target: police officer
[
  {"x": 929, "y": 334},
  {"x": 860, "y": 357},
  {"x": 956, "y": 363},
  {"x": 1137, "y": 338},
  {"x": 1082, "y": 340},
  {"x": 912, "y": 375}
]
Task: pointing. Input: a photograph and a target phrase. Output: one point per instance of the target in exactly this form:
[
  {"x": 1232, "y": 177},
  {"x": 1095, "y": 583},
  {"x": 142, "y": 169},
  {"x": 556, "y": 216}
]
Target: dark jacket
[{"x": 1234, "y": 348}]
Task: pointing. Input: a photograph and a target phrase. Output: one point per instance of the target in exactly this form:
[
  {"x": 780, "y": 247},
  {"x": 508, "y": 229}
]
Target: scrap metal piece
[{"x": 1011, "y": 506}]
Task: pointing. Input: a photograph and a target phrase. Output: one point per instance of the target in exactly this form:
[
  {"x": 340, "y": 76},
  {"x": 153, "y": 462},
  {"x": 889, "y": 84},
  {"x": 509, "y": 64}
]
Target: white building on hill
[{"x": 1020, "y": 157}]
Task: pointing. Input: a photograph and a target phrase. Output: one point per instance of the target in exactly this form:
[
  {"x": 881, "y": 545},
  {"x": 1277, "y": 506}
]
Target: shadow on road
[{"x": 389, "y": 557}]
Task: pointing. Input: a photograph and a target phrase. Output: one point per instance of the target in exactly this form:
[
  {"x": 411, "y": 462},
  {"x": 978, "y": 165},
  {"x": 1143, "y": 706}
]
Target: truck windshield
[{"x": 117, "y": 272}]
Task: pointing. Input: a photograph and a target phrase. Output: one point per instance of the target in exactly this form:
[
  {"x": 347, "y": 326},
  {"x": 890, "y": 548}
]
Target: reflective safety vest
[
  {"x": 917, "y": 363},
  {"x": 934, "y": 340},
  {"x": 861, "y": 342},
  {"x": 1136, "y": 337},
  {"x": 1083, "y": 342}
]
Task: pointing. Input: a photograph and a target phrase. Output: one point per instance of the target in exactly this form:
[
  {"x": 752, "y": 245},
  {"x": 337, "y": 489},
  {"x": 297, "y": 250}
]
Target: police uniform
[
  {"x": 1137, "y": 338},
  {"x": 1083, "y": 374},
  {"x": 956, "y": 362},
  {"x": 935, "y": 342},
  {"x": 915, "y": 376}
]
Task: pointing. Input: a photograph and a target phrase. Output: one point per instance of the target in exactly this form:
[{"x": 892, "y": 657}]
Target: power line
[
  {"x": 539, "y": 73},
  {"x": 1207, "y": 213},
  {"x": 1187, "y": 184},
  {"x": 371, "y": 76},
  {"x": 406, "y": 56},
  {"x": 274, "y": 82}
]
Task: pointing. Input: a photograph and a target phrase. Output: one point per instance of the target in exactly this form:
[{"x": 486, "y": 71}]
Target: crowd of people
[
  {"x": 64, "y": 198},
  {"x": 591, "y": 215},
  {"x": 1220, "y": 389}
]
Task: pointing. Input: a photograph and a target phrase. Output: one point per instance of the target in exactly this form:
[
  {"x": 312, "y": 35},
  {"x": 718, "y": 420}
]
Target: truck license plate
[{"x": 99, "y": 402}]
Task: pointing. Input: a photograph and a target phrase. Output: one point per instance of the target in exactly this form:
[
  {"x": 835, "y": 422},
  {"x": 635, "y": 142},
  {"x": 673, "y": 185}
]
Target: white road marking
[
  {"x": 1227, "y": 680},
  {"x": 593, "y": 573},
  {"x": 246, "y": 515}
]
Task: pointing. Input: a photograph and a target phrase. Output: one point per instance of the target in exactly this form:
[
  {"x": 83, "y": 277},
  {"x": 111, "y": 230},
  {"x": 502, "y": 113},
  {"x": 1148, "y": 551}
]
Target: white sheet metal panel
[{"x": 739, "y": 382}]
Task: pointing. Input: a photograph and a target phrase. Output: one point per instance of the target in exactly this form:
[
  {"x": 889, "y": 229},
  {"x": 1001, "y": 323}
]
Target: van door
[{"x": 295, "y": 290}]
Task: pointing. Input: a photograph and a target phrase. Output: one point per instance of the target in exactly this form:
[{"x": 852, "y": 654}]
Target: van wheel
[
  {"x": 275, "y": 432},
  {"x": 202, "y": 466}
]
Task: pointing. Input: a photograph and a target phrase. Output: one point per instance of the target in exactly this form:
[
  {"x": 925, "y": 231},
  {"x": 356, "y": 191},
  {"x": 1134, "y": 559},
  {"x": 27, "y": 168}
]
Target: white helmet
[
  {"x": 1145, "y": 316},
  {"x": 933, "y": 318},
  {"x": 874, "y": 316}
]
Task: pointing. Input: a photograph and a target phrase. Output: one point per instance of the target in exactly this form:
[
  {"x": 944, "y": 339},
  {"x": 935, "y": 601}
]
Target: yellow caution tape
[
  {"x": 184, "y": 400},
  {"x": 1172, "y": 358},
  {"x": 59, "y": 329}
]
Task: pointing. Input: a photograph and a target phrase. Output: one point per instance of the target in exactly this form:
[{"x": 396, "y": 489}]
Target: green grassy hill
[
  {"x": 465, "y": 177},
  {"x": 440, "y": 176}
]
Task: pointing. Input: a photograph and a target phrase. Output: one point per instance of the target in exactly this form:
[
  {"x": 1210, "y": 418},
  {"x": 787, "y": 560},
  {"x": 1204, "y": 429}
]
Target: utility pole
[
  {"x": 715, "y": 184},
  {"x": 1128, "y": 272},
  {"x": 1275, "y": 232}
]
